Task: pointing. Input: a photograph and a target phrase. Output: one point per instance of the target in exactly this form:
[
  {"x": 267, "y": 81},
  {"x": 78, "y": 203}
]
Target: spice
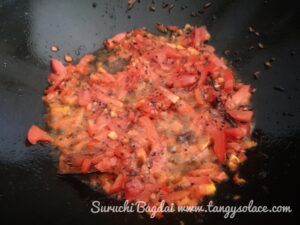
[
  {"x": 94, "y": 5},
  {"x": 268, "y": 64},
  {"x": 164, "y": 5},
  {"x": 256, "y": 74},
  {"x": 251, "y": 48},
  {"x": 112, "y": 135},
  {"x": 194, "y": 14},
  {"x": 68, "y": 58},
  {"x": 130, "y": 4},
  {"x": 171, "y": 6},
  {"x": 152, "y": 8},
  {"x": 160, "y": 27},
  {"x": 251, "y": 30},
  {"x": 279, "y": 88},
  {"x": 54, "y": 48},
  {"x": 207, "y": 5},
  {"x": 260, "y": 45}
]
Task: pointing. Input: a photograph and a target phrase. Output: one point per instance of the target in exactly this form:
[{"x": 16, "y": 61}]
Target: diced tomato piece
[
  {"x": 199, "y": 180},
  {"x": 58, "y": 67},
  {"x": 60, "y": 74},
  {"x": 219, "y": 144},
  {"x": 240, "y": 115},
  {"x": 84, "y": 97},
  {"x": 133, "y": 188},
  {"x": 236, "y": 133},
  {"x": 108, "y": 100},
  {"x": 172, "y": 97},
  {"x": 200, "y": 35},
  {"x": 185, "y": 80},
  {"x": 83, "y": 66},
  {"x": 171, "y": 52},
  {"x": 184, "y": 108},
  {"x": 209, "y": 93},
  {"x": 118, "y": 184},
  {"x": 110, "y": 43},
  {"x": 218, "y": 62},
  {"x": 198, "y": 96},
  {"x": 150, "y": 129},
  {"x": 228, "y": 81},
  {"x": 36, "y": 134},
  {"x": 106, "y": 164},
  {"x": 241, "y": 97},
  {"x": 86, "y": 164}
]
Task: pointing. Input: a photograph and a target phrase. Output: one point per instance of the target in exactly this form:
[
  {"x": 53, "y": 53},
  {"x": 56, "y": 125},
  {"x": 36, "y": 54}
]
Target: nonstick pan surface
[{"x": 30, "y": 190}]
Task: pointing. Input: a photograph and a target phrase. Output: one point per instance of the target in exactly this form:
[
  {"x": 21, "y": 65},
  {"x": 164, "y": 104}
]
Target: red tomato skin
[
  {"x": 86, "y": 164},
  {"x": 228, "y": 81},
  {"x": 240, "y": 115},
  {"x": 58, "y": 67},
  {"x": 219, "y": 139},
  {"x": 36, "y": 134},
  {"x": 236, "y": 133}
]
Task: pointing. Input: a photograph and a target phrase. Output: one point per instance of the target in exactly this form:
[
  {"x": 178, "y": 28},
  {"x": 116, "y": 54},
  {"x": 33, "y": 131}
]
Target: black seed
[
  {"x": 279, "y": 88},
  {"x": 164, "y": 5},
  {"x": 94, "y": 4},
  {"x": 287, "y": 114},
  {"x": 171, "y": 6},
  {"x": 193, "y": 14}
]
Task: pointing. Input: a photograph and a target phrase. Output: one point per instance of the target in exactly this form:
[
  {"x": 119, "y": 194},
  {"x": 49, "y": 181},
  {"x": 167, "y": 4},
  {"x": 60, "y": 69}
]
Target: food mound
[{"x": 149, "y": 117}]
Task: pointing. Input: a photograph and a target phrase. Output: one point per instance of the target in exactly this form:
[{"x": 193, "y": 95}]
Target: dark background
[{"x": 30, "y": 190}]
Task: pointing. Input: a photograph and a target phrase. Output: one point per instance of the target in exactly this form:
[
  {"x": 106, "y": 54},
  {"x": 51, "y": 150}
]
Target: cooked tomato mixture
[{"x": 149, "y": 117}]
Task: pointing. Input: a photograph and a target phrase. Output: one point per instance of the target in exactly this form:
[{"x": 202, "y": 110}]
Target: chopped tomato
[
  {"x": 219, "y": 144},
  {"x": 110, "y": 43},
  {"x": 133, "y": 188},
  {"x": 86, "y": 164},
  {"x": 241, "y": 97},
  {"x": 84, "y": 98},
  {"x": 58, "y": 67},
  {"x": 118, "y": 184},
  {"x": 150, "y": 129},
  {"x": 236, "y": 133},
  {"x": 200, "y": 35},
  {"x": 229, "y": 81},
  {"x": 240, "y": 115},
  {"x": 149, "y": 118},
  {"x": 36, "y": 134},
  {"x": 184, "y": 108},
  {"x": 185, "y": 80}
]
